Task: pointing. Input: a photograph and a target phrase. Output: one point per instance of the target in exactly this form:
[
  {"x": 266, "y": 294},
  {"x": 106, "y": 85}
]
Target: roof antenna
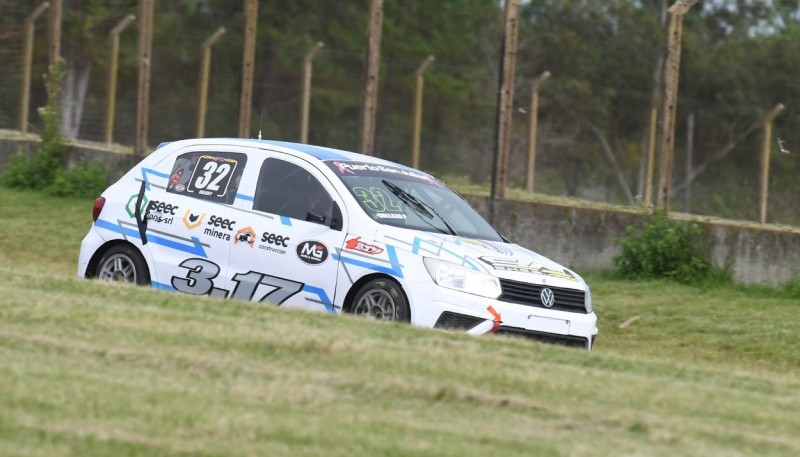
[{"x": 260, "y": 120}]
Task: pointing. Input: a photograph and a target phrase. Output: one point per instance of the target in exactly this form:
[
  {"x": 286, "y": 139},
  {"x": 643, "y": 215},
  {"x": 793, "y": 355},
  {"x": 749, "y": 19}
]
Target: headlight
[
  {"x": 456, "y": 277},
  {"x": 588, "y": 299}
]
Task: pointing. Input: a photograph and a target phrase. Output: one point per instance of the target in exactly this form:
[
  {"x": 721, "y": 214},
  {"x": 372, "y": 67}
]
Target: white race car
[{"x": 323, "y": 229}]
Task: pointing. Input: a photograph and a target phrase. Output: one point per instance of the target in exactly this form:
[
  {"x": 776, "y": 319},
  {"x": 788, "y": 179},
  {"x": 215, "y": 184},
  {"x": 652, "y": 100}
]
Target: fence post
[
  {"x": 27, "y": 62},
  {"x": 305, "y": 96},
  {"x": 505, "y": 99},
  {"x": 669, "y": 99},
  {"x": 416, "y": 127},
  {"x": 372, "y": 72},
  {"x": 530, "y": 168},
  {"x": 650, "y": 157},
  {"x": 248, "y": 64},
  {"x": 764, "y": 181},
  {"x": 205, "y": 68},
  {"x": 143, "y": 91},
  {"x": 56, "y": 12},
  {"x": 687, "y": 196},
  {"x": 111, "y": 81}
]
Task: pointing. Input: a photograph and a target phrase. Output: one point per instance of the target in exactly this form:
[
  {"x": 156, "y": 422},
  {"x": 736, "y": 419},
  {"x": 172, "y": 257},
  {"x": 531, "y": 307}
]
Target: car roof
[{"x": 321, "y": 153}]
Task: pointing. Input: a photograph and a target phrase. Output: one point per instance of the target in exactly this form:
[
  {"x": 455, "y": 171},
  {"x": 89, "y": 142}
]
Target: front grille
[
  {"x": 456, "y": 321},
  {"x": 523, "y": 293},
  {"x": 552, "y": 338}
]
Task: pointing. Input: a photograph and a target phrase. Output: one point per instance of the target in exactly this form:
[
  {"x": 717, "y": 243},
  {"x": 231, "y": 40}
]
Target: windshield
[{"x": 407, "y": 198}]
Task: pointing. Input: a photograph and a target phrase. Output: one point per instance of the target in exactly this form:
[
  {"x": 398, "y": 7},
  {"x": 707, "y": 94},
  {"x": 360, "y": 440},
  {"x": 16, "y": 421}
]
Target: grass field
[{"x": 100, "y": 369}]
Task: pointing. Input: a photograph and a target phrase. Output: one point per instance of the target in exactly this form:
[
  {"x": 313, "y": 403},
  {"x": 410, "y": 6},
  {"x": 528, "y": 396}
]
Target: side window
[
  {"x": 289, "y": 190},
  {"x": 211, "y": 176}
]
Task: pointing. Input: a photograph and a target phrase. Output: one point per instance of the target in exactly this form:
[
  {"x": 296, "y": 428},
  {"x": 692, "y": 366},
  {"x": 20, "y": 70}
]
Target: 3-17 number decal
[{"x": 199, "y": 280}]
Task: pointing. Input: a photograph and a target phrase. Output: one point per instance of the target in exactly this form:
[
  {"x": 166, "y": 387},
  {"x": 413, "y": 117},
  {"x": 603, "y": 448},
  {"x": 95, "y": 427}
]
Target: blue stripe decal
[
  {"x": 127, "y": 232},
  {"x": 146, "y": 171},
  {"x": 248, "y": 198},
  {"x": 395, "y": 270},
  {"x": 323, "y": 296},
  {"x": 286, "y": 221},
  {"x": 196, "y": 248},
  {"x": 416, "y": 246},
  {"x": 162, "y": 286}
]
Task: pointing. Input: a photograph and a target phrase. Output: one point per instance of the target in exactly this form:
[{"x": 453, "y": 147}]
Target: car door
[
  {"x": 284, "y": 249},
  {"x": 191, "y": 218}
]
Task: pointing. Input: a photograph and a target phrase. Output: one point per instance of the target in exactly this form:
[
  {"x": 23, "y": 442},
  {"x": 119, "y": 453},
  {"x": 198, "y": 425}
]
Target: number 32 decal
[{"x": 200, "y": 276}]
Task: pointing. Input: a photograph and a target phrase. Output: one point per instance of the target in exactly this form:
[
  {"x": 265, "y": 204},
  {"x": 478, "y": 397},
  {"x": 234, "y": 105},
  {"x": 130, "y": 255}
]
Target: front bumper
[{"x": 438, "y": 307}]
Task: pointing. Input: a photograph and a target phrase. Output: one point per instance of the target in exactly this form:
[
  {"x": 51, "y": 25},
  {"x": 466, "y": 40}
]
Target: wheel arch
[
  {"x": 347, "y": 305},
  {"x": 91, "y": 268}
]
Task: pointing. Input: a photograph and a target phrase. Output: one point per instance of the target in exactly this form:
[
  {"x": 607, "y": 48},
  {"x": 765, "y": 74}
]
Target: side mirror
[
  {"x": 315, "y": 217},
  {"x": 337, "y": 221}
]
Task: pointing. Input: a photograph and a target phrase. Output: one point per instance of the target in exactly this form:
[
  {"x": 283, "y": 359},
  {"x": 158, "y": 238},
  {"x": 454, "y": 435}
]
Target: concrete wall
[
  {"x": 580, "y": 238},
  {"x": 583, "y": 239},
  {"x": 119, "y": 159}
]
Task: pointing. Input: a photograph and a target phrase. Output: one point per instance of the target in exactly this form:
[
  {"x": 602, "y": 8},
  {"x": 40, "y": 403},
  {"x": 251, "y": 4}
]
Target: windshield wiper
[{"x": 418, "y": 205}]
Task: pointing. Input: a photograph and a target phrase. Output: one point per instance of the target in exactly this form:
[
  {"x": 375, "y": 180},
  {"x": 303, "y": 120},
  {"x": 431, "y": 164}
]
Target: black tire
[
  {"x": 382, "y": 298},
  {"x": 123, "y": 263}
]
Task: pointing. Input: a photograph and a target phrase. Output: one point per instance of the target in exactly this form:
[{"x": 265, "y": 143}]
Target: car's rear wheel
[
  {"x": 123, "y": 263},
  {"x": 381, "y": 298}
]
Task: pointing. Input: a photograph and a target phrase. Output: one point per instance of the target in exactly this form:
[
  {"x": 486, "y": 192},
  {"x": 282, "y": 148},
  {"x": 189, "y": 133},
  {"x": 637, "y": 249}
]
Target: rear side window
[
  {"x": 289, "y": 190},
  {"x": 210, "y": 176}
]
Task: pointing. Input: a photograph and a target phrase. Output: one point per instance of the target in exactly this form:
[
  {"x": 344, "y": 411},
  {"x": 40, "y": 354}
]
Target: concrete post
[
  {"x": 650, "y": 157},
  {"x": 248, "y": 64},
  {"x": 305, "y": 96},
  {"x": 205, "y": 69},
  {"x": 764, "y": 175},
  {"x": 56, "y": 12},
  {"x": 416, "y": 127},
  {"x": 530, "y": 166},
  {"x": 505, "y": 100},
  {"x": 111, "y": 80},
  {"x": 669, "y": 99},
  {"x": 27, "y": 63},
  {"x": 372, "y": 73},
  {"x": 143, "y": 91}
]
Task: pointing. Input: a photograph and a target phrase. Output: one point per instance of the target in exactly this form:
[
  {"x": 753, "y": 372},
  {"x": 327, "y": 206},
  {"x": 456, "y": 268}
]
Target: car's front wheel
[
  {"x": 123, "y": 263},
  {"x": 382, "y": 298}
]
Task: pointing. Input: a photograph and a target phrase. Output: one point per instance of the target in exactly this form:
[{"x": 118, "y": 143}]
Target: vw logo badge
[{"x": 547, "y": 297}]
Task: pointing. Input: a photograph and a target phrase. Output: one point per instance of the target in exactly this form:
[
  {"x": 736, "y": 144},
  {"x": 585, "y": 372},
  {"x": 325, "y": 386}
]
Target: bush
[
  {"x": 660, "y": 249},
  {"x": 86, "y": 180}
]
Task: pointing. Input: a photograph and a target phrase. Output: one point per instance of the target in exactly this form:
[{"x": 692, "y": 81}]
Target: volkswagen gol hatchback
[{"x": 322, "y": 229}]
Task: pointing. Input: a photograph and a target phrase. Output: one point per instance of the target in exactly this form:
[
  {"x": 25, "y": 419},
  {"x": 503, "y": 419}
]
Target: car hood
[{"x": 504, "y": 260}]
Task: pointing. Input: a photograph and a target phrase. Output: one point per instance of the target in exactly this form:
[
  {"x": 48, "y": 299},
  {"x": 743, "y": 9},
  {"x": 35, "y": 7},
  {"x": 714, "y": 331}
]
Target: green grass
[{"x": 100, "y": 369}]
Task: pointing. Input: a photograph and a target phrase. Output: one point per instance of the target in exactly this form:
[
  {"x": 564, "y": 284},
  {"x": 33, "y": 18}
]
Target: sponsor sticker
[
  {"x": 191, "y": 220},
  {"x": 357, "y": 245},
  {"x": 514, "y": 265},
  {"x": 364, "y": 168},
  {"x": 156, "y": 211},
  {"x": 273, "y": 242},
  {"x": 390, "y": 216},
  {"x": 220, "y": 227},
  {"x": 245, "y": 235},
  {"x": 312, "y": 252}
]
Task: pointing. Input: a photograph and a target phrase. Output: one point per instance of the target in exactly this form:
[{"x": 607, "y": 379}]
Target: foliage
[
  {"x": 664, "y": 249},
  {"x": 39, "y": 170},
  {"x": 85, "y": 180}
]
